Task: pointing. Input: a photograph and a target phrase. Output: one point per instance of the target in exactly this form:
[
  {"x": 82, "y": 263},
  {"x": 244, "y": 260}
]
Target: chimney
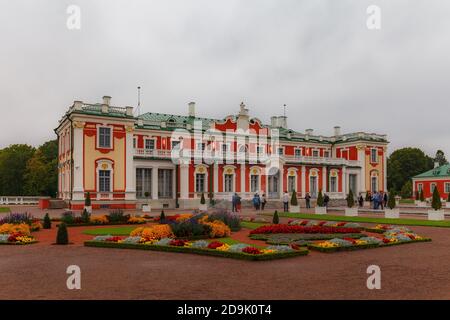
[
  {"x": 106, "y": 100},
  {"x": 436, "y": 164},
  {"x": 274, "y": 121},
  {"x": 309, "y": 131},
  {"x": 129, "y": 111},
  {"x": 337, "y": 131},
  {"x": 191, "y": 109},
  {"x": 78, "y": 105}
]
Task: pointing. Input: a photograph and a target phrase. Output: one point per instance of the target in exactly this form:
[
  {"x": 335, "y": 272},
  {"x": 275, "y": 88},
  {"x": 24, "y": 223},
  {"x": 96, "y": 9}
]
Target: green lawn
[
  {"x": 408, "y": 222},
  {"x": 406, "y": 201},
  {"x": 114, "y": 231},
  {"x": 231, "y": 241},
  {"x": 4, "y": 209},
  {"x": 251, "y": 225}
]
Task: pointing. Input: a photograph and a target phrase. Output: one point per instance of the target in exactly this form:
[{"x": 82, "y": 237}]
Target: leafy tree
[
  {"x": 320, "y": 199},
  {"x": 294, "y": 201},
  {"x": 436, "y": 202},
  {"x": 421, "y": 196},
  {"x": 162, "y": 217},
  {"x": 440, "y": 158},
  {"x": 13, "y": 163},
  {"x": 406, "y": 191},
  {"x": 405, "y": 163},
  {"x": 417, "y": 195},
  {"x": 448, "y": 198},
  {"x": 350, "y": 199},
  {"x": 276, "y": 219},
  {"x": 47, "y": 222},
  {"x": 62, "y": 236},
  {"x": 391, "y": 200}
]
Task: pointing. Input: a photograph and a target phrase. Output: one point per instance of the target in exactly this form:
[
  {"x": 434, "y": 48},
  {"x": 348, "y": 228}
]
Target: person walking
[
  {"x": 263, "y": 201},
  {"x": 308, "y": 200},
  {"x": 233, "y": 202},
  {"x": 238, "y": 203},
  {"x": 361, "y": 201},
  {"x": 385, "y": 199},
  {"x": 286, "y": 202},
  {"x": 326, "y": 200},
  {"x": 256, "y": 201},
  {"x": 381, "y": 200}
]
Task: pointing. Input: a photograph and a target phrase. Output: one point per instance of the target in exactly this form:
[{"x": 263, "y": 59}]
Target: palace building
[{"x": 168, "y": 161}]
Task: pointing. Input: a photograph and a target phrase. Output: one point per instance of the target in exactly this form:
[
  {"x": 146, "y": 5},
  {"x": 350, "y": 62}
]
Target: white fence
[{"x": 11, "y": 200}]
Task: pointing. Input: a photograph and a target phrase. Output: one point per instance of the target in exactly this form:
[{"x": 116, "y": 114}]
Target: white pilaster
[
  {"x": 303, "y": 181},
  {"x": 243, "y": 178},
  {"x": 281, "y": 171},
  {"x": 130, "y": 174},
  {"x": 78, "y": 188},
  {"x": 362, "y": 163},
  {"x": 216, "y": 177},
  {"x": 184, "y": 181},
  {"x": 385, "y": 169},
  {"x": 324, "y": 179},
  {"x": 344, "y": 181},
  {"x": 155, "y": 183}
]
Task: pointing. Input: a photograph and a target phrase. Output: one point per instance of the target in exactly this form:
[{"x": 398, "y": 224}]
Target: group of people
[{"x": 378, "y": 200}]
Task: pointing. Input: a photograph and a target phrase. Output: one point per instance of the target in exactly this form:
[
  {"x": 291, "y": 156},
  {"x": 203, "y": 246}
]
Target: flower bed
[
  {"x": 284, "y": 228},
  {"x": 16, "y": 234},
  {"x": 215, "y": 248},
  {"x": 380, "y": 228},
  {"x": 346, "y": 244},
  {"x": 312, "y": 223},
  {"x": 288, "y": 238}
]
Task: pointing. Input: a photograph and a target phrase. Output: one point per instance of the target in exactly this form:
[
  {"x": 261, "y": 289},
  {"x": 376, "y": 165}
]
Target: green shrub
[
  {"x": 62, "y": 237},
  {"x": 294, "y": 201},
  {"x": 417, "y": 195},
  {"x": 391, "y": 200},
  {"x": 276, "y": 219},
  {"x": 350, "y": 199},
  {"x": 85, "y": 216},
  {"x": 320, "y": 199},
  {"x": 230, "y": 219},
  {"x": 436, "y": 202},
  {"x": 47, "y": 222},
  {"x": 68, "y": 217},
  {"x": 189, "y": 228},
  {"x": 448, "y": 198},
  {"x": 422, "y": 196},
  {"x": 202, "y": 199},
  {"x": 87, "y": 200},
  {"x": 162, "y": 217},
  {"x": 116, "y": 216}
]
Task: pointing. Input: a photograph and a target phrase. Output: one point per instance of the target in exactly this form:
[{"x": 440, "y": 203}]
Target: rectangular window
[
  {"x": 352, "y": 183},
  {"x": 298, "y": 153},
  {"x": 260, "y": 149},
  {"x": 201, "y": 146},
  {"x": 420, "y": 187},
  {"x": 280, "y": 151},
  {"x": 134, "y": 143},
  {"x": 104, "y": 137},
  {"x": 104, "y": 181},
  {"x": 175, "y": 145},
  {"x": 291, "y": 183},
  {"x": 254, "y": 183},
  {"x": 200, "y": 182},
  {"x": 374, "y": 184},
  {"x": 149, "y": 144},
  {"x": 447, "y": 187},
  {"x": 374, "y": 155},
  {"x": 333, "y": 184},
  {"x": 326, "y": 154},
  {"x": 143, "y": 182},
  {"x": 165, "y": 183},
  {"x": 432, "y": 187},
  {"x": 228, "y": 183},
  {"x": 315, "y": 153},
  {"x": 225, "y": 148}
]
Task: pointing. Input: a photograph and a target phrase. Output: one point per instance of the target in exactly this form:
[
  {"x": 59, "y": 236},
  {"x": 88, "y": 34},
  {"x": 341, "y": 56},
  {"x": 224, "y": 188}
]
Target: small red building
[{"x": 438, "y": 177}]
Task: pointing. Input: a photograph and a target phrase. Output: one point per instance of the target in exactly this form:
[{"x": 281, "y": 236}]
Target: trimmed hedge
[
  {"x": 209, "y": 252},
  {"x": 99, "y": 224},
  {"x": 362, "y": 246}
]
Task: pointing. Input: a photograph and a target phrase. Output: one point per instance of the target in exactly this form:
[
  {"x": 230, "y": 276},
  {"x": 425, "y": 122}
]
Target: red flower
[
  {"x": 177, "y": 243},
  {"x": 304, "y": 222},
  {"x": 385, "y": 240},
  {"x": 321, "y": 223},
  {"x": 114, "y": 239},
  {"x": 283, "y": 228},
  {"x": 295, "y": 246},
  {"x": 353, "y": 241},
  {"x": 341, "y": 224},
  {"x": 251, "y": 250},
  {"x": 215, "y": 245}
]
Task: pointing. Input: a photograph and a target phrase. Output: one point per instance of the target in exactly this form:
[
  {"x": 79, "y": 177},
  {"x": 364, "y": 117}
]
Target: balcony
[{"x": 321, "y": 160}]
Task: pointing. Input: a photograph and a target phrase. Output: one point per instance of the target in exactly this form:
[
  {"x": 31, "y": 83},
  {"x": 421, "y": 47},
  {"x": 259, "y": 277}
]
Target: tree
[
  {"x": 417, "y": 195},
  {"x": 436, "y": 203},
  {"x": 13, "y": 163},
  {"x": 202, "y": 199},
  {"x": 276, "y": 219},
  {"x": 320, "y": 199},
  {"x": 85, "y": 216},
  {"x": 406, "y": 191},
  {"x": 350, "y": 199},
  {"x": 448, "y": 198},
  {"x": 47, "y": 222},
  {"x": 391, "y": 200},
  {"x": 62, "y": 236},
  {"x": 162, "y": 217},
  {"x": 87, "y": 199},
  {"x": 421, "y": 196},
  {"x": 405, "y": 163},
  {"x": 294, "y": 201},
  {"x": 440, "y": 158}
]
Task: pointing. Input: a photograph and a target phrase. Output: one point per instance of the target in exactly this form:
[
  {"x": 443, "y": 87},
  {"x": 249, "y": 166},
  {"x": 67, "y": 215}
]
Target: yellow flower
[
  {"x": 224, "y": 247},
  {"x": 268, "y": 251}
]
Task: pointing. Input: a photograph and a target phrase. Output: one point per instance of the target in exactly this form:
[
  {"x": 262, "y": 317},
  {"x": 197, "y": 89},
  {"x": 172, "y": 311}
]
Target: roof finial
[
  {"x": 138, "y": 109},
  {"x": 284, "y": 110}
]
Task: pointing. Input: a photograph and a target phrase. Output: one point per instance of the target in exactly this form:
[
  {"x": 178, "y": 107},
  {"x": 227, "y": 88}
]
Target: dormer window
[{"x": 104, "y": 137}]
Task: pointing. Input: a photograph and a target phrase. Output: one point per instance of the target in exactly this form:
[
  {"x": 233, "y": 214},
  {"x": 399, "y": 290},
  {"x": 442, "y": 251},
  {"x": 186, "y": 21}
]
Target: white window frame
[
  {"x": 135, "y": 142},
  {"x": 295, "y": 183},
  {"x": 300, "y": 150},
  {"x": 420, "y": 187},
  {"x": 110, "y": 168},
  {"x": 376, "y": 155},
  {"x": 232, "y": 182},
  {"x": 205, "y": 182},
  {"x": 177, "y": 143},
  {"x": 149, "y": 139},
  {"x": 326, "y": 153},
  {"x": 258, "y": 187},
  {"x": 315, "y": 151},
  {"x": 282, "y": 151},
  {"x": 111, "y": 132},
  {"x": 447, "y": 187},
  {"x": 433, "y": 184},
  {"x": 376, "y": 183}
]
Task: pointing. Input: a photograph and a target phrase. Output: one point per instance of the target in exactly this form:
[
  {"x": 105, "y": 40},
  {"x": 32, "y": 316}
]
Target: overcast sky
[{"x": 318, "y": 57}]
